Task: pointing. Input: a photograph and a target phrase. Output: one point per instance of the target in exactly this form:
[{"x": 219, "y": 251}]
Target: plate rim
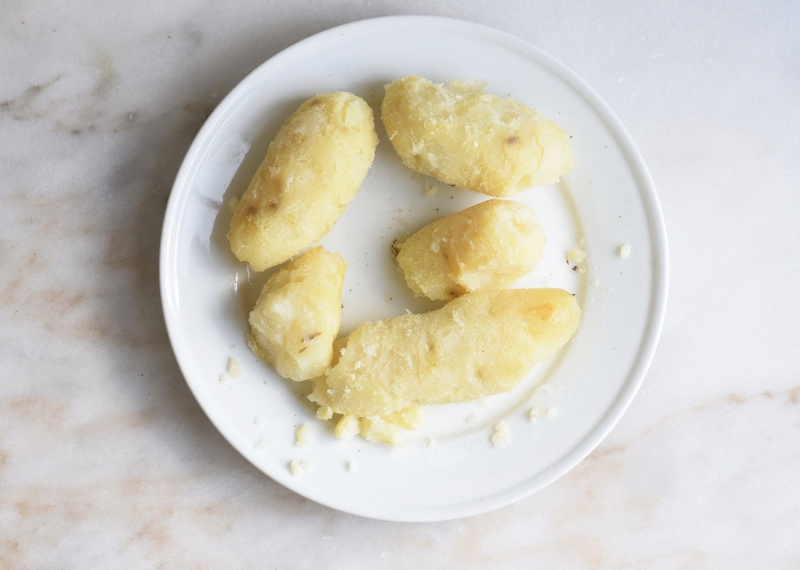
[{"x": 649, "y": 342}]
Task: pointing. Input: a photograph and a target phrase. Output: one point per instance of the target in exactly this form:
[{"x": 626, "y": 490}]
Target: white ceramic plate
[{"x": 608, "y": 199}]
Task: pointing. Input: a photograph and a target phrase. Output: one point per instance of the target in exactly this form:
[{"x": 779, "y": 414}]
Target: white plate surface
[{"x": 608, "y": 199}]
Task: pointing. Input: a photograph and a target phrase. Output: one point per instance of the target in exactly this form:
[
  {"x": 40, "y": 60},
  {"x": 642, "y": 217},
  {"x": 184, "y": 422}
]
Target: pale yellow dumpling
[
  {"x": 471, "y": 139},
  {"x": 298, "y": 313},
  {"x": 477, "y": 345},
  {"x": 488, "y": 246},
  {"x": 313, "y": 168}
]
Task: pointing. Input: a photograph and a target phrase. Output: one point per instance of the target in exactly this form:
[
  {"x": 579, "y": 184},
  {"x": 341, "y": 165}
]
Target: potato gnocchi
[
  {"x": 297, "y": 315},
  {"x": 477, "y": 345},
  {"x": 313, "y": 168},
  {"x": 488, "y": 246},
  {"x": 467, "y": 138}
]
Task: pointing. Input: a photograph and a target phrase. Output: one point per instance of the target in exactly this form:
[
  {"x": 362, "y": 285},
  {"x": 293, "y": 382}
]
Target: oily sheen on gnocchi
[{"x": 477, "y": 345}]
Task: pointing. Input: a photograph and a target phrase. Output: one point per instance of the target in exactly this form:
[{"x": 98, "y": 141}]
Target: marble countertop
[{"x": 106, "y": 460}]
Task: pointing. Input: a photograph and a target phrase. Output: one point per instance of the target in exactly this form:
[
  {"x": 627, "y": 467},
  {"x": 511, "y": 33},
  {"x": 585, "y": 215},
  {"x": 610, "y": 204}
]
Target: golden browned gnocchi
[
  {"x": 471, "y": 139},
  {"x": 298, "y": 313},
  {"x": 312, "y": 170},
  {"x": 488, "y": 246},
  {"x": 477, "y": 345}
]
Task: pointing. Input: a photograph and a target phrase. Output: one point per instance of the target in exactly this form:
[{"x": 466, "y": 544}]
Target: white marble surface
[{"x": 107, "y": 461}]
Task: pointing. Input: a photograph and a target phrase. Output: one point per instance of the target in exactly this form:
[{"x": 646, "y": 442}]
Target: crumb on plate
[
  {"x": 302, "y": 435},
  {"x": 299, "y": 467},
  {"x": 501, "y": 436},
  {"x": 576, "y": 259},
  {"x": 324, "y": 413},
  {"x": 234, "y": 368}
]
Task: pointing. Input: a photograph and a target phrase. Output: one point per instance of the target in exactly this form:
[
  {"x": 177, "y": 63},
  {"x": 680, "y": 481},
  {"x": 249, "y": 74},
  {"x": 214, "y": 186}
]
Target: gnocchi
[
  {"x": 488, "y": 246},
  {"x": 313, "y": 168},
  {"x": 474, "y": 140},
  {"x": 297, "y": 315},
  {"x": 477, "y": 345}
]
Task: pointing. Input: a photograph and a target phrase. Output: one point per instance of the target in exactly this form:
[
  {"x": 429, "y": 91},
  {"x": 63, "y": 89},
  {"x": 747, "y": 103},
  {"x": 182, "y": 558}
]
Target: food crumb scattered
[
  {"x": 324, "y": 413},
  {"x": 430, "y": 442},
  {"x": 224, "y": 377},
  {"x": 258, "y": 421},
  {"x": 263, "y": 443},
  {"x": 299, "y": 467},
  {"x": 302, "y": 435},
  {"x": 595, "y": 282},
  {"x": 348, "y": 427},
  {"x": 472, "y": 419},
  {"x": 430, "y": 189},
  {"x": 352, "y": 466},
  {"x": 576, "y": 258},
  {"x": 502, "y": 435},
  {"x": 539, "y": 412},
  {"x": 625, "y": 250},
  {"x": 234, "y": 368}
]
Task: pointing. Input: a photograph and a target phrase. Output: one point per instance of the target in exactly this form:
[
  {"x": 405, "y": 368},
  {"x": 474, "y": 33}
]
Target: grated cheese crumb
[
  {"x": 234, "y": 368},
  {"x": 348, "y": 427},
  {"x": 352, "y": 466},
  {"x": 430, "y": 189},
  {"x": 595, "y": 282},
  {"x": 539, "y": 412},
  {"x": 472, "y": 419},
  {"x": 502, "y": 435},
  {"x": 625, "y": 250},
  {"x": 299, "y": 467},
  {"x": 224, "y": 377},
  {"x": 430, "y": 442},
  {"x": 576, "y": 258},
  {"x": 325, "y": 413},
  {"x": 302, "y": 435},
  {"x": 258, "y": 421}
]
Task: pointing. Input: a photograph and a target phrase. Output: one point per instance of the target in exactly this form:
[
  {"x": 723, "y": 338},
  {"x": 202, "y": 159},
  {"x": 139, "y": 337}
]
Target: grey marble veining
[{"x": 107, "y": 461}]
